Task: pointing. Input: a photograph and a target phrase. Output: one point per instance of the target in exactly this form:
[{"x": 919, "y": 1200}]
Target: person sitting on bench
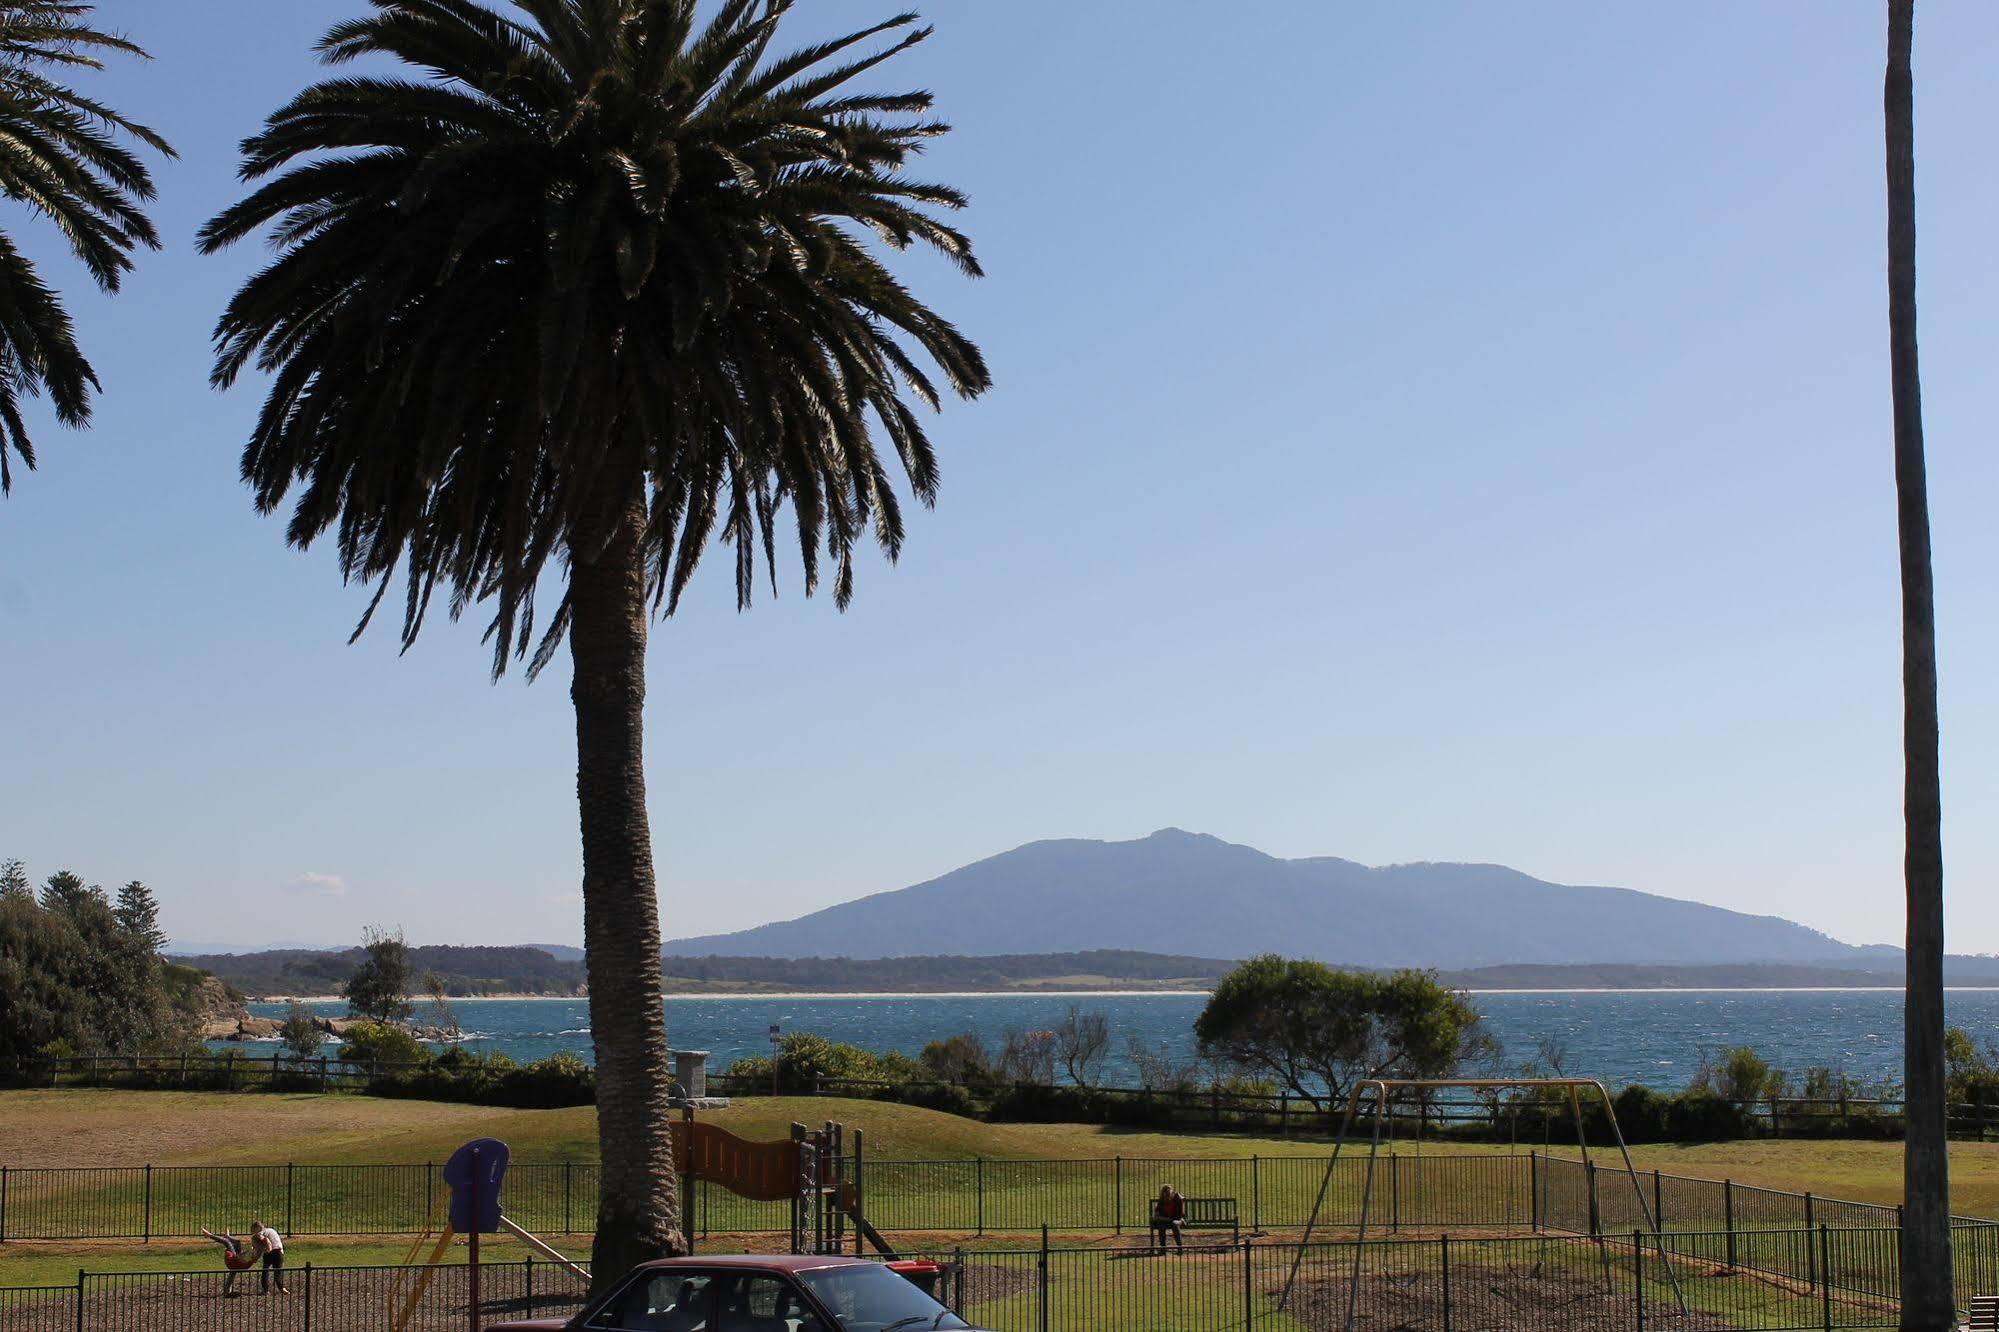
[{"x": 1169, "y": 1217}]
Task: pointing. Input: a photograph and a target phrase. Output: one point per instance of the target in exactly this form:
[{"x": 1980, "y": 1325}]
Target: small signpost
[{"x": 474, "y": 1174}]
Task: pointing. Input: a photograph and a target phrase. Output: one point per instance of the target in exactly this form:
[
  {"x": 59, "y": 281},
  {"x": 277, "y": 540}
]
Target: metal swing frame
[{"x": 1382, "y": 1089}]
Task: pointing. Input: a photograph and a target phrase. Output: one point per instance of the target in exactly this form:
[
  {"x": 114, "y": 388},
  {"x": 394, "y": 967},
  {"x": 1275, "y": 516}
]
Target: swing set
[{"x": 1381, "y": 1093}]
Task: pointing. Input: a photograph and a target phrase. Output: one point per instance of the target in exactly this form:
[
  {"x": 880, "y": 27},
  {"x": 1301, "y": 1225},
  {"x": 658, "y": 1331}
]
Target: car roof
[{"x": 768, "y": 1262}]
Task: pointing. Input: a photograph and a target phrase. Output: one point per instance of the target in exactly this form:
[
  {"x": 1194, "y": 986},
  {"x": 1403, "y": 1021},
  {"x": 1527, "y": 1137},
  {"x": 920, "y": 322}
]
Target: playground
[{"x": 1378, "y": 1229}]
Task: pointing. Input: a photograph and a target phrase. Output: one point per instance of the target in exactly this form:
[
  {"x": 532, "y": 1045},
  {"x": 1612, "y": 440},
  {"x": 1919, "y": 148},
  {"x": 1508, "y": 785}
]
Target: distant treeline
[
  {"x": 464, "y": 970},
  {"x": 469, "y": 971},
  {"x": 1096, "y": 968}
]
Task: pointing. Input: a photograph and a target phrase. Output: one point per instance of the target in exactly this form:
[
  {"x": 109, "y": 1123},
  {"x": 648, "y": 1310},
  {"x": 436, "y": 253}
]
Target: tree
[
  {"x": 593, "y": 289},
  {"x": 14, "y": 881},
  {"x": 442, "y": 1016},
  {"x": 72, "y": 977},
  {"x": 66, "y": 160},
  {"x": 300, "y": 1033},
  {"x": 960, "y": 1059},
  {"x": 1082, "y": 1043},
  {"x": 138, "y": 913},
  {"x": 65, "y": 891},
  {"x": 379, "y": 989},
  {"x": 1026, "y": 1057},
  {"x": 1927, "y": 1293},
  {"x": 1317, "y": 1030}
]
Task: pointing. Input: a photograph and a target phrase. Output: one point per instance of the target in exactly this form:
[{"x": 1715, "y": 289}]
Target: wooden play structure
[
  {"x": 1381, "y": 1093},
  {"x": 813, "y": 1169}
]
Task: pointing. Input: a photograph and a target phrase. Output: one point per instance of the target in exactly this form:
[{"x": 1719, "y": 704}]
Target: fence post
[
  {"x": 146, "y": 1234},
  {"x": 568, "y": 1171},
  {"x": 1534, "y": 1191},
  {"x": 530, "y": 1284},
  {"x": 1255, "y": 1194},
  {"x": 860, "y": 1186},
  {"x": 1812, "y": 1274},
  {"x": 79, "y": 1300},
  {"x": 289, "y": 1226},
  {"x": 429, "y": 1187},
  {"x": 308, "y": 1296},
  {"x": 3, "y": 1204},
  {"x": 1825, "y": 1287},
  {"x": 1248, "y": 1290},
  {"x": 1444, "y": 1251},
  {"x": 1638, "y": 1276},
  {"x": 1394, "y": 1192},
  {"x": 980, "y": 1162},
  {"x": 1658, "y": 1202},
  {"x": 1042, "y": 1303},
  {"x": 1728, "y": 1217},
  {"x": 1117, "y": 1195},
  {"x": 1595, "y": 1217}
]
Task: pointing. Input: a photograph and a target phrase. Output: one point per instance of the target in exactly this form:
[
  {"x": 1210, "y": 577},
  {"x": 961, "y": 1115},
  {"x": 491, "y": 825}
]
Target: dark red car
[{"x": 761, "y": 1293}]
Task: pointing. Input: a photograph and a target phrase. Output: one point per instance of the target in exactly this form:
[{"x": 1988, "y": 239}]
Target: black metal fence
[
  {"x": 970, "y": 1197},
  {"x": 1561, "y": 1283},
  {"x": 1443, "y": 1284},
  {"x": 322, "y": 1299},
  {"x": 1283, "y": 1112}
]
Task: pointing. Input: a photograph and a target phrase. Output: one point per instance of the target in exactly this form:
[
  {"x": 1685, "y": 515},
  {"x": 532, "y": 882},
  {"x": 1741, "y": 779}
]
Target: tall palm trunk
[
  {"x": 637, "y": 1210},
  {"x": 1928, "y": 1302}
]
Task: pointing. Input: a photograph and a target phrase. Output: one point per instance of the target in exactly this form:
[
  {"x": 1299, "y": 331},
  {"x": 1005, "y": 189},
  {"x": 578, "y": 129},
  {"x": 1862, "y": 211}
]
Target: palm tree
[
  {"x": 1928, "y": 1299},
  {"x": 591, "y": 292},
  {"x": 62, "y": 157}
]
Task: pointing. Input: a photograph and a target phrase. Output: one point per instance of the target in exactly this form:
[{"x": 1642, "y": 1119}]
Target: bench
[
  {"x": 1984, "y": 1314},
  {"x": 1211, "y": 1214}
]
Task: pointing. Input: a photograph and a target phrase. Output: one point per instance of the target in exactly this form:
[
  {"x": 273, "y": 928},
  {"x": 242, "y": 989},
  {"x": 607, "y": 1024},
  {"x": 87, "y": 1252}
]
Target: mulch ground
[{"x": 1486, "y": 1299}]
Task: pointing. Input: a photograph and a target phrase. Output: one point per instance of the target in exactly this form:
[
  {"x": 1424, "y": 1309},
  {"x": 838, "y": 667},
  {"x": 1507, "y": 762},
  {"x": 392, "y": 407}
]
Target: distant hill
[
  {"x": 1189, "y": 894},
  {"x": 465, "y": 971}
]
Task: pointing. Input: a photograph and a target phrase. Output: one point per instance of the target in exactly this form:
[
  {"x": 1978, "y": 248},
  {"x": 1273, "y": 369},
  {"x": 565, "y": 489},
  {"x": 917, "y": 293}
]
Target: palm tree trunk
[
  {"x": 1928, "y": 1301},
  {"x": 637, "y": 1210}
]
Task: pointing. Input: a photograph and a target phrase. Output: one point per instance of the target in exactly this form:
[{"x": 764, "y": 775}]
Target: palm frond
[
  {"x": 62, "y": 154},
  {"x": 590, "y": 258}
]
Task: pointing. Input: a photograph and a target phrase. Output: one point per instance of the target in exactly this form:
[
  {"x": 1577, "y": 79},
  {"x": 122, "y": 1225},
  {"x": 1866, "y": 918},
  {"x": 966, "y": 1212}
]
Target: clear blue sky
[{"x": 1424, "y": 432}]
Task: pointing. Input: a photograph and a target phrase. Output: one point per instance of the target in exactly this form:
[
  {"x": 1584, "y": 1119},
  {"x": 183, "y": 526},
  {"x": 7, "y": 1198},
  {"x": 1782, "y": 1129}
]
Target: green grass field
[{"x": 959, "y": 1201}]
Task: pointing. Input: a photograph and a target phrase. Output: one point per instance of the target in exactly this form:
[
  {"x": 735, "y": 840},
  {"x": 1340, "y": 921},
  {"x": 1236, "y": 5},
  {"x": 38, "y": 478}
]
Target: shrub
[
  {"x": 1642, "y": 1114},
  {"x": 380, "y": 1043},
  {"x": 961, "y": 1059},
  {"x": 1698, "y": 1115},
  {"x": 300, "y": 1033},
  {"x": 548, "y": 1084}
]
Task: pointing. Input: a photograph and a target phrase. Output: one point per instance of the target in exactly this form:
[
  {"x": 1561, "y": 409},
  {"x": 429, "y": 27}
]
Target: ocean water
[{"x": 1650, "y": 1037}]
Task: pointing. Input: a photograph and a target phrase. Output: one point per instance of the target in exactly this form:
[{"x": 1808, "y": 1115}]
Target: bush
[
  {"x": 548, "y": 1084},
  {"x": 1698, "y": 1115},
  {"x": 380, "y": 1043},
  {"x": 1642, "y": 1114}
]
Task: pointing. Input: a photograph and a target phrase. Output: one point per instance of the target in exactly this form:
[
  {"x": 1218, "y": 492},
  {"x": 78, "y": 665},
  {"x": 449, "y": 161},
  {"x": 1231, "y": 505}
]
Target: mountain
[
  {"x": 1099, "y": 970},
  {"x": 1191, "y": 894}
]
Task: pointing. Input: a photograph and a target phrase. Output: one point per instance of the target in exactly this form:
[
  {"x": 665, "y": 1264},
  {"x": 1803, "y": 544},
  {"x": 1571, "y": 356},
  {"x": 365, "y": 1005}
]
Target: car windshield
[{"x": 871, "y": 1299}]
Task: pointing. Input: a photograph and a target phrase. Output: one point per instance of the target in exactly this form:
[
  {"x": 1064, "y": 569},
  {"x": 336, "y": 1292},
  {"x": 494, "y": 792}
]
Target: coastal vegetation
[
  {"x": 1316, "y": 1031},
  {"x": 81, "y": 974}
]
